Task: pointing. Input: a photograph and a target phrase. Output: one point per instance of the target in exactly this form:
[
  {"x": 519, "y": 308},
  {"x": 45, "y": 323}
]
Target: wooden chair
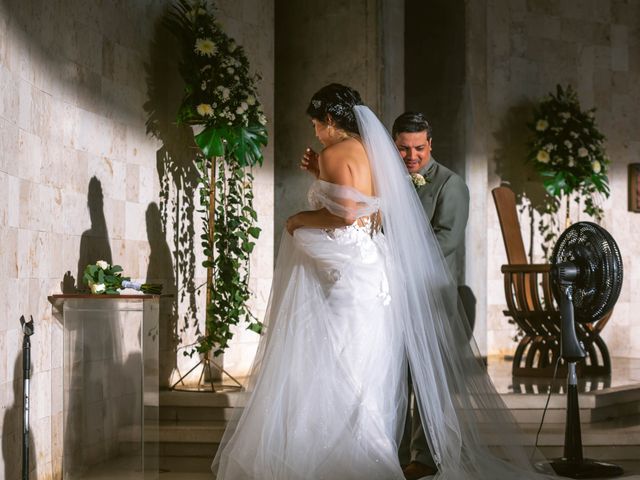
[{"x": 531, "y": 304}]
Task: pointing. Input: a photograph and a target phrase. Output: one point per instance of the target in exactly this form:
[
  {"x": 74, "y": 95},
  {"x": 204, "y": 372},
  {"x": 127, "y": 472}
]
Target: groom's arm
[{"x": 451, "y": 214}]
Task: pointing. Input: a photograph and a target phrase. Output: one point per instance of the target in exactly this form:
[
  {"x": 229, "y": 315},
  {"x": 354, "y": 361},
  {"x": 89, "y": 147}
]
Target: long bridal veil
[
  {"x": 327, "y": 393},
  {"x": 470, "y": 431}
]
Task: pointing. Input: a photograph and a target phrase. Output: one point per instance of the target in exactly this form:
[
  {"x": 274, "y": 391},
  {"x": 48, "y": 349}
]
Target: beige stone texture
[
  {"x": 72, "y": 109},
  {"x": 530, "y": 47}
]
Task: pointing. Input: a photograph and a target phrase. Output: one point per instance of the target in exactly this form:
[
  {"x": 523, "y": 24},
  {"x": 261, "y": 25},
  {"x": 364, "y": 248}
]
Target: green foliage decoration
[
  {"x": 220, "y": 98},
  {"x": 567, "y": 151}
]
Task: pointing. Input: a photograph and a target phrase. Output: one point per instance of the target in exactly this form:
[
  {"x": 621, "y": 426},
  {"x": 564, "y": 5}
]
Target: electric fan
[{"x": 586, "y": 280}]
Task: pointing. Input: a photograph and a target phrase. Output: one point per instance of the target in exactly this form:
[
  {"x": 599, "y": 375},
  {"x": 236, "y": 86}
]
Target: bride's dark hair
[{"x": 337, "y": 101}]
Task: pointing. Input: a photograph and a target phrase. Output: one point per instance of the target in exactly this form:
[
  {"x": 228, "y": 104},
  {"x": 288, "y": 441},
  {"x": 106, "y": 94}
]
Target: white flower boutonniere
[{"x": 418, "y": 180}]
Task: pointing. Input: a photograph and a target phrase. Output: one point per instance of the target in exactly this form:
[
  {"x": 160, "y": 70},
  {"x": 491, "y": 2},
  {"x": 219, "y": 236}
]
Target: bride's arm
[{"x": 334, "y": 169}]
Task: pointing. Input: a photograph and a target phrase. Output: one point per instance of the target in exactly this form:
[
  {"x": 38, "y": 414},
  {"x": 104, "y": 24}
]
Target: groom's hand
[{"x": 309, "y": 162}]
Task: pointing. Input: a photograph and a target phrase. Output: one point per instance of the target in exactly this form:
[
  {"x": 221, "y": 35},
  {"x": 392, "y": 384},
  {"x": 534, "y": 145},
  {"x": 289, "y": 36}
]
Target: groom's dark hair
[{"x": 411, "y": 122}]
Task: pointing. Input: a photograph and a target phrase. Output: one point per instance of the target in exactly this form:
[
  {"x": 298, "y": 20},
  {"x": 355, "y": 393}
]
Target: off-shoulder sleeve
[{"x": 341, "y": 200}]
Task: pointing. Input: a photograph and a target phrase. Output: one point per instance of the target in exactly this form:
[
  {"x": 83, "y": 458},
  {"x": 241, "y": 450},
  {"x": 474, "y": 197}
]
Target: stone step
[
  {"x": 198, "y": 432},
  {"x": 192, "y": 425}
]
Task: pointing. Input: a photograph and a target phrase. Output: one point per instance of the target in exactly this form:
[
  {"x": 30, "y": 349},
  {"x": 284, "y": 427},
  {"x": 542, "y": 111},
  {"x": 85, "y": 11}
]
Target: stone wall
[
  {"x": 530, "y": 47},
  {"x": 354, "y": 43},
  {"x": 82, "y": 179}
]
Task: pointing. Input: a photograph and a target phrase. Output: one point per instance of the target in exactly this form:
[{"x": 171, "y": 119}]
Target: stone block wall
[
  {"x": 531, "y": 45},
  {"x": 82, "y": 179}
]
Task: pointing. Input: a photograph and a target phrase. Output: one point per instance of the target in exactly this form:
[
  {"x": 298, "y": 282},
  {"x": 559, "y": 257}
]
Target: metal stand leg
[
  {"x": 573, "y": 464},
  {"x": 27, "y": 330},
  {"x": 207, "y": 363}
]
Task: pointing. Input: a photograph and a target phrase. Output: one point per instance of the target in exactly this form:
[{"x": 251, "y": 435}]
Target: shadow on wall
[
  {"x": 70, "y": 60},
  {"x": 12, "y": 432},
  {"x": 179, "y": 180},
  {"x": 161, "y": 270},
  {"x": 94, "y": 242},
  {"x": 511, "y": 166}
]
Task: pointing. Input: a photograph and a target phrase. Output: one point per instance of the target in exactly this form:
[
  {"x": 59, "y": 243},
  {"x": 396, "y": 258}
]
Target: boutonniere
[{"x": 418, "y": 180}]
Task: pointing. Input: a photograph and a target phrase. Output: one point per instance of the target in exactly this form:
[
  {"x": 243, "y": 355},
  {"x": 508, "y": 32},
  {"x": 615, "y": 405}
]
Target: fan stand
[{"x": 573, "y": 464}]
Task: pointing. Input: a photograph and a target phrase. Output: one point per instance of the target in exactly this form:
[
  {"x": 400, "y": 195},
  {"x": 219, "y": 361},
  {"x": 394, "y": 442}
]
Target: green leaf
[
  {"x": 250, "y": 141},
  {"x": 256, "y": 327},
  {"x": 210, "y": 142}
]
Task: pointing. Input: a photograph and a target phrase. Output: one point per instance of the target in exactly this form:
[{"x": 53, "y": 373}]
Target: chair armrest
[{"x": 526, "y": 268}]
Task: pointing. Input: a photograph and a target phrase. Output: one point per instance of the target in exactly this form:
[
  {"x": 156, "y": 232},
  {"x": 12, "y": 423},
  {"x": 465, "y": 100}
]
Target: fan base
[{"x": 586, "y": 468}]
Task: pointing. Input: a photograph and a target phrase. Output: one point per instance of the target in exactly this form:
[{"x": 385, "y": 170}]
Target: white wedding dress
[{"x": 350, "y": 309}]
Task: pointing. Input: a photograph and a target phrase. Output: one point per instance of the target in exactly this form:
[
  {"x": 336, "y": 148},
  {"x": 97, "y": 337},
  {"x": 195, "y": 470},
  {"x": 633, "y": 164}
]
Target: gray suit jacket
[{"x": 445, "y": 199}]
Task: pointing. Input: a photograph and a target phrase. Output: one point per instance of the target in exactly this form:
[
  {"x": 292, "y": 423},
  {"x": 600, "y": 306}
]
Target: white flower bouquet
[
  {"x": 567, "y": 150},
  {"x": 105, "y": 279},
  {"x": 220, "y": 92}
]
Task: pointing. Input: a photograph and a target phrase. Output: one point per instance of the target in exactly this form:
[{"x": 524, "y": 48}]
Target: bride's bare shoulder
[
  {"x": 346, "y": 163},
  {"x": 347, "y": 150}
]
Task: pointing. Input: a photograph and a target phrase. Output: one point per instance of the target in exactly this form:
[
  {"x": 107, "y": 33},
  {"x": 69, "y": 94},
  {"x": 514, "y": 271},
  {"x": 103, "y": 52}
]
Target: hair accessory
[{"x": 316, "y": 103}]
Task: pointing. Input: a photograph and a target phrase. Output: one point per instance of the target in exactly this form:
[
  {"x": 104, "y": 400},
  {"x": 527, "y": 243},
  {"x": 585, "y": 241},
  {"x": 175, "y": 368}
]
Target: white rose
[
  {"x": 583, "y": 152},
  {"x": 102, "y": 264},
  {"x": 418, "y": 180},
  {"x": 97, "y": 288},
  {"x": 543, "y": 156},
  {"x": 596, "y": 167}
]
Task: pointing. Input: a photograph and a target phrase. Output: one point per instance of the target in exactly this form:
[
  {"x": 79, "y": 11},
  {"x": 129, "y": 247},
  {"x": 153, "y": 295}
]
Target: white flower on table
[
  {"x": 102, "y": 264},
  {"x": 97, "y": 287}
]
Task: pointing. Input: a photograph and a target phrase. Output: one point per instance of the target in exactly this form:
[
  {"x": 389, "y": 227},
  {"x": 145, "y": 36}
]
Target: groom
[{"x": 445, "y": 199}]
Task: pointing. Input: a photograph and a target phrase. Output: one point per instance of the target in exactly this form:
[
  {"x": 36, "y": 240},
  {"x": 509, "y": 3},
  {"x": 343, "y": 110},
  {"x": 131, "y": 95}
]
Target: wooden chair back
[{"x": 505, "y": 201}]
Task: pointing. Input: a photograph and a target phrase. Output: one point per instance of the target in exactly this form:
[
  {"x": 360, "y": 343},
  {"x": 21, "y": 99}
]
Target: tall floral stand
[{"x": 107, "y": 381}]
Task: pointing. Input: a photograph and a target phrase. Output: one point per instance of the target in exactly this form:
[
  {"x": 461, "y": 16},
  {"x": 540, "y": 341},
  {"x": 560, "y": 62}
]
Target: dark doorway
[{"x": 435, "y": 73}]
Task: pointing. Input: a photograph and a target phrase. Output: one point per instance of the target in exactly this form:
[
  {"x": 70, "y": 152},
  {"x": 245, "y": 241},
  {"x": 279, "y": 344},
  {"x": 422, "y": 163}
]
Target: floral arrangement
[
  {"x": 220, "y": 93},
  {"x": 418, "y": 180},
  {"x": 220, "y": 98},
  {"x": 567, "y": 150},
  {"x": 105, "y": 279}
]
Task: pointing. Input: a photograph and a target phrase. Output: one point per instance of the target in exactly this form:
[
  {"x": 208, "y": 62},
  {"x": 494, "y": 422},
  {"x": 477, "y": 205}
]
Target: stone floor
[
  {"x": 624, "y": 372},
  {"x": 526, "y": 397}
]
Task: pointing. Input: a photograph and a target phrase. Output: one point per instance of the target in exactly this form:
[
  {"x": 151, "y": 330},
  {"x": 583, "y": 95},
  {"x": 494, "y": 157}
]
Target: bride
[{"x": 360, "y": 294}]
